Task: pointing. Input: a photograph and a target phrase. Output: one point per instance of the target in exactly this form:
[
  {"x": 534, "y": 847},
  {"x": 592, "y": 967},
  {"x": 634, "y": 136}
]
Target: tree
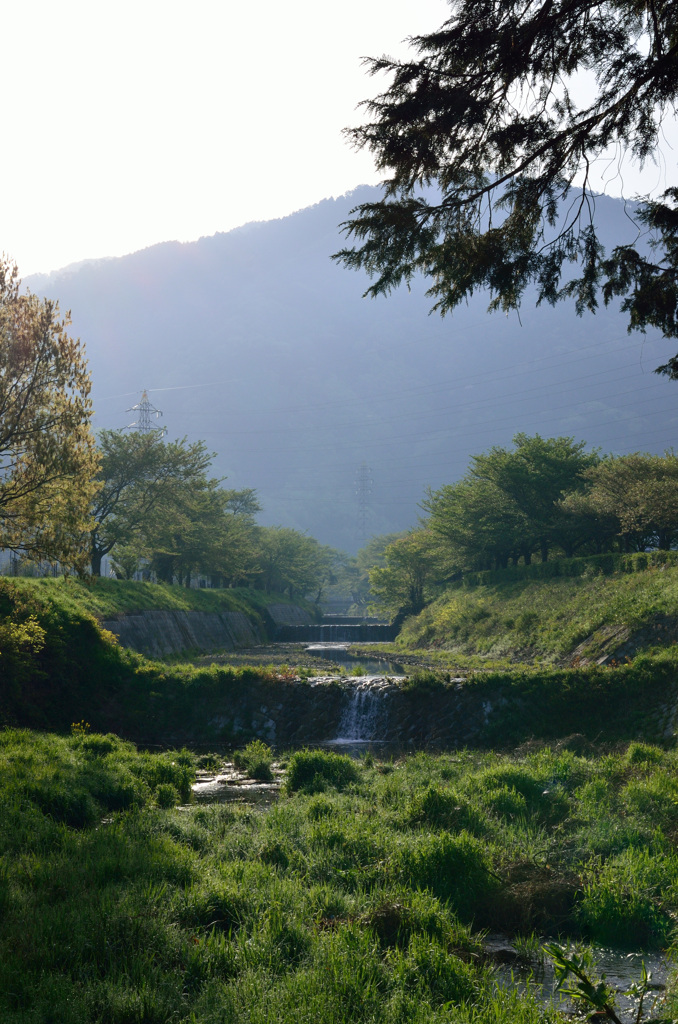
[
  {"x": 509, "y": 504},
  {"x": 140, "y": 477},
  {"x": 480, "y": 522},
  {"x": 634, "y": 495},
  {"x": 206, "y": 530},
  {"x": 413, "y": 573},
  {"x": 48, "y": 459},
  {"x": 536, "y": 475},
  {"x": 292, "y": 563},
  {"x": 487, "y": 156}
]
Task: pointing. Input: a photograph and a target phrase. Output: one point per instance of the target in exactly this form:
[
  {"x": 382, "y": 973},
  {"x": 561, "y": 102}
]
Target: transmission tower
[
  {"x": 145, "y": 411},
  {"x": 363, "y": 490}
]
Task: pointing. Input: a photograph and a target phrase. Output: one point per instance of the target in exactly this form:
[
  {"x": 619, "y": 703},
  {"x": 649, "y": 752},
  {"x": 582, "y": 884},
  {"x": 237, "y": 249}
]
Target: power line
[{"x": 364, "y": 485}]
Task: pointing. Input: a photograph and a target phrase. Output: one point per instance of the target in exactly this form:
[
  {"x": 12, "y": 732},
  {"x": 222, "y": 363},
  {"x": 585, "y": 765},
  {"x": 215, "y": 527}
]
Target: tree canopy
[
  {"x": 487, "y": 154},
  {"x": 509, "y": 503},
  {"x": 140, "y": 480},
  {"x": 48, "y": 460}
]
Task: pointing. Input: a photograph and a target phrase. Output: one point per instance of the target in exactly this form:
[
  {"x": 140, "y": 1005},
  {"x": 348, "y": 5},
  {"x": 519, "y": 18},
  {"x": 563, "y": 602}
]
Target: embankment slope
[{"x": 575, "y": 612}]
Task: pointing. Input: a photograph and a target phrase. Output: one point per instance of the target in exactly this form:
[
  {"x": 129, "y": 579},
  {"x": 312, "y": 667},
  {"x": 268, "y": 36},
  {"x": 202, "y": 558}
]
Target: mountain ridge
[{"x": 255, "y": 341}]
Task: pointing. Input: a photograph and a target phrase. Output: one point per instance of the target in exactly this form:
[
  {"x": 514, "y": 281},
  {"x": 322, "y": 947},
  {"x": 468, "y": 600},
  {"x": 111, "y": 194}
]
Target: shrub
[
  {"x": 72, "y": 806},
  {"x": 311, "y": 771},
  {"x": 426, "y": 679},
  {"x": 643, "y": 753},
  {"x": 430, "y": 969},
  {"x": 255, "y": 761},
  {"x": 444, "y": 808},
  {"x": 96, "y": 744},
  {"x": 616, "y": 915},
  {"x": 166, "y": 795},
  {"x": 319, "y": 808},
  {"x": 453, "y": 868}
]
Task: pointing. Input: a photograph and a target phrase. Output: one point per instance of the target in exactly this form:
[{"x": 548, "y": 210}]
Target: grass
[
  {"x": 545, "y": 620},
  {"x": 58, "y": 665},
  {"x": 362, "y": 902},
  {"x": 106, "y": 598},
  {"x": 255, "y": 761}
]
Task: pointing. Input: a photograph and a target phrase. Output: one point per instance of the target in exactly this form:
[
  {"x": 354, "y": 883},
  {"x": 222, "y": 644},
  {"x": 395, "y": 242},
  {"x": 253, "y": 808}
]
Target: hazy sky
[{"x": 137, "y": 122}]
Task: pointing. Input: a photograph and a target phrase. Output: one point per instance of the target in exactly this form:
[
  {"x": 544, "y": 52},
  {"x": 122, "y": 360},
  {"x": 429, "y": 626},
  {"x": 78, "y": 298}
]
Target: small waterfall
[{"x": 364, "y": 715}]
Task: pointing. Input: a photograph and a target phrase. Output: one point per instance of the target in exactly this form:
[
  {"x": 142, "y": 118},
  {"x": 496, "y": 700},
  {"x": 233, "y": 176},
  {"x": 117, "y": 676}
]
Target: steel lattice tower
[
  {"x": 145, "y": 413},
  {"x": 364, "y": 484}
]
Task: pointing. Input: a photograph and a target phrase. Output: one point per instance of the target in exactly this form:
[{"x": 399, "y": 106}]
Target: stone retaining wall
[{"x": 158, "y": 633}]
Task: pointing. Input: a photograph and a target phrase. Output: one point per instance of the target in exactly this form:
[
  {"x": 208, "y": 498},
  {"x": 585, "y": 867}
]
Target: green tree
[
  {"x": 207, "y": 530},
  {"x": 536, "y": 474},
  {"x": 292, "y": 563},
  {"x": 486, "y": 112},
  {"x": 140, "y": 478},
  {"x": 355, "y": 571},
  {"x": 48, "y": 459},
  {"x": 638, "y": 494},
  {"x": 480, "y": 522},
  {"x": 414, "y": 571}
]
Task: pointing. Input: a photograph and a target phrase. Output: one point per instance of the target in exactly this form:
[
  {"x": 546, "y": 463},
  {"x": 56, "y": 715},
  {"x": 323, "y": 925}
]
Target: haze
[{"x": 137, "y": 123}]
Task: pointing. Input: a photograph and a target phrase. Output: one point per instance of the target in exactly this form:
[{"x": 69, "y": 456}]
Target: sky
[{"x": 138, "y": 122}]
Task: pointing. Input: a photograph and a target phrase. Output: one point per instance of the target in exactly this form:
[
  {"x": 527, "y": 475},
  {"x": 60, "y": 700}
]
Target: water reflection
[
  {"x": 341, "y": 656},
  {"x": 620, "y": 969}
]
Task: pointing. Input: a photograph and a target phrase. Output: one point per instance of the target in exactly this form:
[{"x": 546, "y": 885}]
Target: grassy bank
[
  {"x": 57, "y": 664},
  {"x": 358, "y": 897},
  {"x": 106, "y": 598},
  {"x": 563, "y": 619}
]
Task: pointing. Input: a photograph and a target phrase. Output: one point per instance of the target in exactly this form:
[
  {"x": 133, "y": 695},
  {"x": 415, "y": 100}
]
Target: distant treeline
[{"x": 545, "y": 499}]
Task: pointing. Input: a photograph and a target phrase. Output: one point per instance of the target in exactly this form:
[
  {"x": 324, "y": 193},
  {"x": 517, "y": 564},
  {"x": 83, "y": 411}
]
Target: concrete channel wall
[{"x": 158, "y": 633}]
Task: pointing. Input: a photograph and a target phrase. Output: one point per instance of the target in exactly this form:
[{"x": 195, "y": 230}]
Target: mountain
[{"x": 256, "y": 342}]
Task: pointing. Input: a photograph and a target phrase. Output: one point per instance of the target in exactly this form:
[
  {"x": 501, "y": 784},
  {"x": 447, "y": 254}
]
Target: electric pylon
[
  {"x": 145, "y": 411},
  {"x": 364, "y": 484}
]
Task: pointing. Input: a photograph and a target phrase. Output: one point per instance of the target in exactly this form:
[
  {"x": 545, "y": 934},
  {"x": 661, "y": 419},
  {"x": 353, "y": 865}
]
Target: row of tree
[
  {"x": 158, "y": 511},
  {"x": 147, "y": 503},
  {"x": 545, "y": 498}
]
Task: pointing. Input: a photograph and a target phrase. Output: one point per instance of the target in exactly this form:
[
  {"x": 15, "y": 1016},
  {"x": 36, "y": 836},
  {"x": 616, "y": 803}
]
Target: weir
[
  {"x": 338, "y": 632},
  {"x": 364, "y": 718}
]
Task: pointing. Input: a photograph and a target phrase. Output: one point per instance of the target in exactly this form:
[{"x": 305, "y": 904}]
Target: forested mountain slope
[{"x": 269, "y": 354}]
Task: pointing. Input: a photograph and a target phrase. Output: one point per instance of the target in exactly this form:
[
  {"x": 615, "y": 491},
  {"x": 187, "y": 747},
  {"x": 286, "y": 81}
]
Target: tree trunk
[{"x": 96, "y": 555}]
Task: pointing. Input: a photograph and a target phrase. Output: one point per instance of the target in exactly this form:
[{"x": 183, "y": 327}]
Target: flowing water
[
  {"x": 365, "y": 713},
  {"x": 341, "y": 656},
  {"x": 620, "y": 969}
]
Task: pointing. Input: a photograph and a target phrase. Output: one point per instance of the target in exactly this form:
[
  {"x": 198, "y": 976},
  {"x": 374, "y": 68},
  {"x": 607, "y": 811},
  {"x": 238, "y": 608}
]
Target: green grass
[
  {"x": 255, "y": 761},
  {"x": 361, "y": 903},
  {"x": 58, "y": 665},
  {"x": 545, "y": 620},
  {"x": 106, "y": 598}
]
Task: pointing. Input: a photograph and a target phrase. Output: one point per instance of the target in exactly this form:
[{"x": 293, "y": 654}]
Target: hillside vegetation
[
  {"x": 610, "y": 606},
  {"x": 58, "y": 665},
  {"x": 107, "y": 598}
]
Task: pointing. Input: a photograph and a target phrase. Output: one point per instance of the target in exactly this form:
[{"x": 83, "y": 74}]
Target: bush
[
  {"x": 166, "y": 795},
  {"x": 426, "y": 679},
  {"x": 255, "y": 761},
  {"x": 444, "y": 808},
  {"x": 311, "y": 771},
  {"x": 454, "y": 868}
]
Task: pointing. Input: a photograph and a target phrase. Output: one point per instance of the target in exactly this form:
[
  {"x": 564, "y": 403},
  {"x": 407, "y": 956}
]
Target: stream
[
  {"x": 620, "y": 969},
  {"x": 341, "y": 656}
]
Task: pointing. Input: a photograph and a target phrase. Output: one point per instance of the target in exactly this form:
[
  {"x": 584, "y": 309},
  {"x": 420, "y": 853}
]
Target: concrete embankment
[{"x": 157, "y": 633}]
